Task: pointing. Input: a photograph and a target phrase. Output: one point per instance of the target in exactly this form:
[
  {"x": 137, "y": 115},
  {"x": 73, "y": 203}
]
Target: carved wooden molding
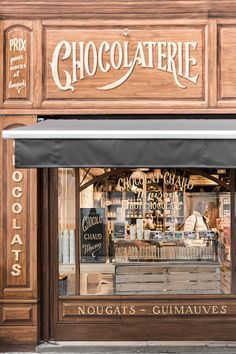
[
  {"x": 95, "y": 8},
  {"x": 19, "y": 222}
]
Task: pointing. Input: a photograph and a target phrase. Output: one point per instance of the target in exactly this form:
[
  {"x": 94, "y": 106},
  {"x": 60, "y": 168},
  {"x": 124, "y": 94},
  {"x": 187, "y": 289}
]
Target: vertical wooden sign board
[
  {"x": 19, "y": 221},
  {"x": 15, "y": 219},
  {"x": 18, "y": 244},
  {"x": 16, "y": 56}
]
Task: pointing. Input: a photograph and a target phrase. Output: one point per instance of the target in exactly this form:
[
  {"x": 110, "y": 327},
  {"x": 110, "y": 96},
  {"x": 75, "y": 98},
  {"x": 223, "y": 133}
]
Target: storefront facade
[{"x": 101, "y": 236}]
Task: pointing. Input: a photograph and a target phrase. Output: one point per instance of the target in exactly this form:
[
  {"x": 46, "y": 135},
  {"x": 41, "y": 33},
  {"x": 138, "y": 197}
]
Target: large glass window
[
  {"x": 66, "y": 231},
  {"x": 144, "y": 231}
]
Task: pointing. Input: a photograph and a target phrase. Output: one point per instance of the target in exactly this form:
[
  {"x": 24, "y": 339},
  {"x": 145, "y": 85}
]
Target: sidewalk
[
  {"x": 138, "y": 347},
  {"x": 130, "y": 348}
]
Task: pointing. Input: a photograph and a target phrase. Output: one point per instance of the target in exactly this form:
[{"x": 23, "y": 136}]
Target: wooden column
[
  {"x": 18, "y": 244},
  {"x": 233, "y": 232}
]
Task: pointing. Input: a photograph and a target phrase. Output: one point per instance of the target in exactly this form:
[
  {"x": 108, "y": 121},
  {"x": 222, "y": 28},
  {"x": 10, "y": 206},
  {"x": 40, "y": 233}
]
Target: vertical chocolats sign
[
  {"x": 93, "y": 243},
  {"x": 17, "y": 63},
  {"x": 16, "y": 206}
]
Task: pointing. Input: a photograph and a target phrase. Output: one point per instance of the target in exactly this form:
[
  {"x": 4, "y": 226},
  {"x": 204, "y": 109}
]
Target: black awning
[{"x": 137, "y": 143}]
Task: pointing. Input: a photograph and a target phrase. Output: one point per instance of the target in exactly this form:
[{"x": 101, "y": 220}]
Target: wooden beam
[
  {"x": 232, "y": 232},
  {"x": 210, "y": 177},
  {"x": 101, "y": 177}
]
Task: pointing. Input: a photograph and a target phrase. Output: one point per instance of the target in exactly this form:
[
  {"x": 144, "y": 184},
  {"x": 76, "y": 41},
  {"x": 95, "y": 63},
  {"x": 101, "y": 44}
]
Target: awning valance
[{"x": 126, "y": 143}]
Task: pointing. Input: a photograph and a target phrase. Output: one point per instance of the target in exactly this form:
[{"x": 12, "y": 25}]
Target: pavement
[
  {"x": 137, "y": 347},
  {"x": 125, "y": 348}
]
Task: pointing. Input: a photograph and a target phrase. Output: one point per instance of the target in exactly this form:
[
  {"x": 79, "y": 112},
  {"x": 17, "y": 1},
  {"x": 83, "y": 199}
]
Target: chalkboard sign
[
  {"x": 92, "y": 232},
  {"x": 119, "y": 230}
]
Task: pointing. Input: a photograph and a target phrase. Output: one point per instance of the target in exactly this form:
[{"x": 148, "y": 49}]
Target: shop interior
[{"x": 143, "y": 231}]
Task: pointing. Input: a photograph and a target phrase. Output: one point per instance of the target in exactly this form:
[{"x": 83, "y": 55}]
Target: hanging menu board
[{"x": 92, "y": 232}]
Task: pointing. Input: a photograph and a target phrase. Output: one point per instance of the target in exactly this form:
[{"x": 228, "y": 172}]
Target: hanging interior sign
[{"x": 136, "y": 181}]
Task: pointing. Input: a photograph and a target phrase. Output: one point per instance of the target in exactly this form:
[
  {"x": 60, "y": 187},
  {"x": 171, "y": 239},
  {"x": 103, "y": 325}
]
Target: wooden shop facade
[{"x": 117, "y": 170}]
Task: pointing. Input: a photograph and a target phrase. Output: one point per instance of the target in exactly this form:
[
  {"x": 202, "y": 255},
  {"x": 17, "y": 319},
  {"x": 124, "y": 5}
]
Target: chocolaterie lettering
[
  {"x": 86, "y": 59},
  {"x": 156, "y": 310}
]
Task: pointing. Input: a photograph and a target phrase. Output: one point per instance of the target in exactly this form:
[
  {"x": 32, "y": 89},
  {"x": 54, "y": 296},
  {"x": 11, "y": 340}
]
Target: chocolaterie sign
[
  {"x": 131, "y": 64},
  {"x": 176, "y": 58}
]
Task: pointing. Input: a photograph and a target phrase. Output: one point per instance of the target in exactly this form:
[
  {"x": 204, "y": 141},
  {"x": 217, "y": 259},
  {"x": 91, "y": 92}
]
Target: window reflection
[
  {"x": 66, "y": 231},
  {"x": 146, "y": 231}
]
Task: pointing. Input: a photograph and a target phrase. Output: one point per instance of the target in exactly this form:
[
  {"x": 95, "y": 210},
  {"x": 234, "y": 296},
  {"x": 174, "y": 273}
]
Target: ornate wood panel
[
  {"x": 1, "y": 215},
  {"x": 202, "y": 318},
  {"x": 21, "y": 314},
  {"x": 19, "y": 221},
  {"x": 226, "y": 82},
  {"x": 153, "y": 317},
  {"x": 118, "y": 310},
  {"x": 19, "y": 57},
  {"x": 144, "y": 64},
  {"x": 138, "y": 66},
  {"x": 18, "y": 240},
  {"x": 114, "y": 9},
  {"x": 16, "y": 58}
]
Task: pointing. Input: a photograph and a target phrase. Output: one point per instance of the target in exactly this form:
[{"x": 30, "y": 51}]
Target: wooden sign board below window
[{"x": 111, "y": 310}]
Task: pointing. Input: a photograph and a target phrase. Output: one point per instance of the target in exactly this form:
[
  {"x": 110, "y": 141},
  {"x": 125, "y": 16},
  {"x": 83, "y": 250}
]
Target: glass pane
[
  {"x": 66, "y": 231},
  {"x": 144, "y": 231},
  {"x": 154, "y": 231}
]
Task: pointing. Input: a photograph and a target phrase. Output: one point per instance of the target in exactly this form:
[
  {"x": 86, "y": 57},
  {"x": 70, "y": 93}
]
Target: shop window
[
  {"x": 144, "y": 231},
  {"x": 66, "y": 231}
]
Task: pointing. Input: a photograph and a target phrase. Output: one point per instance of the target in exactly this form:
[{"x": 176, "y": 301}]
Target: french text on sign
[{"x": 17, "y": 44}]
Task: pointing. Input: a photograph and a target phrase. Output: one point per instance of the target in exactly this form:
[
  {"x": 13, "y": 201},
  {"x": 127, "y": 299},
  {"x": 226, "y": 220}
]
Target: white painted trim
[{"x": 118, "y": 134}]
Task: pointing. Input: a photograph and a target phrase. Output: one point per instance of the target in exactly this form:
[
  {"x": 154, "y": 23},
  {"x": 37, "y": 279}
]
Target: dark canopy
[{"x": 126, "y": 143}]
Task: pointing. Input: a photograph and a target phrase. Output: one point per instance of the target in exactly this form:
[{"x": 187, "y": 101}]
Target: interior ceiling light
[
  {"x": 138, "y": 174},
  {"x": 221, "y": 172}
]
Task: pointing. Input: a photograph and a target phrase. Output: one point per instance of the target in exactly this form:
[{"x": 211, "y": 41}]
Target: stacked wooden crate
[
  {"x": 152, "y": 252},
  {"x": 171, "y": 278},
  {"x": 225, "y": 277}
]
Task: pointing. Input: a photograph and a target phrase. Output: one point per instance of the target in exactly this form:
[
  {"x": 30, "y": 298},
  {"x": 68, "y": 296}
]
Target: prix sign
[
  {"x": 87, "y": 59},
  {"x": 17, "y": 74}
]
